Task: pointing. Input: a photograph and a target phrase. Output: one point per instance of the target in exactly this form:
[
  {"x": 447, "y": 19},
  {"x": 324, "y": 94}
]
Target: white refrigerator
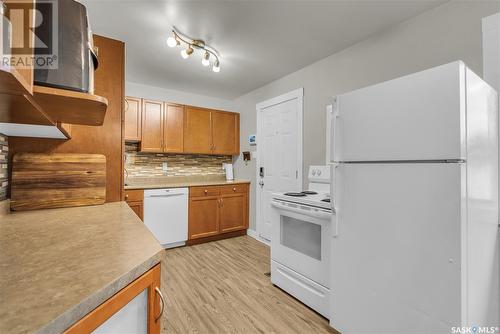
[{"x": 415, "y": 190}]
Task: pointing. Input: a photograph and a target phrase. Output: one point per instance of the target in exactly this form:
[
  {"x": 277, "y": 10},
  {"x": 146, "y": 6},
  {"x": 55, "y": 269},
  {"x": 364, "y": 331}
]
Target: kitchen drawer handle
[
  {"x": 162, "y": 303},
  {"x": 126, "y": 196},
  {"x": 234, "y": 188},
  {"x": 206, "y": 191}
]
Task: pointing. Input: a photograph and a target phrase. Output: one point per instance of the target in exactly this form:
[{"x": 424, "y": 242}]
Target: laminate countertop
[
  {"x": 162, "y": 183},
  {"x": 58, "y": 265}
]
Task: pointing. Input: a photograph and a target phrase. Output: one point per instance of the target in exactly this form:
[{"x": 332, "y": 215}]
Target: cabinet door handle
[
  {"x": 126, "y": 196},
  {"x": 234, "y": 188},
  {"x": 221, "y": 202},
  {"x": 206, "y": 191},
  {"x": 162, "y": 304}
]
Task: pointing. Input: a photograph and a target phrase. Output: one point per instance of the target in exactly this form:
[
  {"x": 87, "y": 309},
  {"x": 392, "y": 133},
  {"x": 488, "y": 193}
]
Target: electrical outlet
[{"x": 164, "y": 168}]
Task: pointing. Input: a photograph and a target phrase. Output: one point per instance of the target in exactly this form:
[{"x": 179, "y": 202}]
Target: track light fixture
[
  {"x": 187, "y": 52},
  {"x": 206, "y": 59},
  {"x": 216, "y": 67},
  {"x": 209, "y": 53}
]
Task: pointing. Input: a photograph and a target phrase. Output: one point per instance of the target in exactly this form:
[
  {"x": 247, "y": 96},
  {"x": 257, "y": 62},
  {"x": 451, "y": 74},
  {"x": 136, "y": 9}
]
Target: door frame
[{"x": 259, "y": 107}]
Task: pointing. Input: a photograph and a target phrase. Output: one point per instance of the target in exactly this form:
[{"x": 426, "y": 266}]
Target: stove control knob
[
  {"x": 314, "y": 172},
  {"x": 319, "y": 172}
]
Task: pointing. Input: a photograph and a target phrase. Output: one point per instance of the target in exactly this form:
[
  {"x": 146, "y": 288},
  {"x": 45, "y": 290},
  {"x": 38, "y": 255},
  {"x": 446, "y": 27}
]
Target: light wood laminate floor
[{"x": 220, "y": 287}]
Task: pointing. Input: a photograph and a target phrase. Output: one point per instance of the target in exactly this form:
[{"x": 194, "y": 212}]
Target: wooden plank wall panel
[
  {"x": 106, "y": 139},
  {"x": 46, "y": 181}
]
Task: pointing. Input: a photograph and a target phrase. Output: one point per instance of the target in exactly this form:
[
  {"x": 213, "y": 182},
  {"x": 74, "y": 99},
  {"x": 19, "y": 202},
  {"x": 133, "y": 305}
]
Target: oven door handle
[{"x": 313, "y": 213}]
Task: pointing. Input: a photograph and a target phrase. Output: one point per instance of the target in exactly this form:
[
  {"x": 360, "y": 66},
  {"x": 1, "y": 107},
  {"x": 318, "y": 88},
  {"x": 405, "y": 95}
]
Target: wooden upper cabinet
[
  {"x": 175, "y": 128},
  {"x": 197, "y": 130},
  {"x": 173, "y": 131},
  {"x": 152, "y": 126},
  {"x": 226, "y": 133},
  {"x": 133, "y": 118}
]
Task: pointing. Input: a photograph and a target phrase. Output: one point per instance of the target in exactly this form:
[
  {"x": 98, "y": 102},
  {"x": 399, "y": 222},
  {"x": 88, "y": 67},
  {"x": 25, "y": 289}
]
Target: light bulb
[
  {"x": 205, "y": 60},
  {"x": 216, "y": 67},
  {"x": 187, "y": 52},
  {"x": 171, "y": 41}
]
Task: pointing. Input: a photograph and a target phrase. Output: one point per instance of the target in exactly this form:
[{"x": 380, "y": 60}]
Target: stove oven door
[{"x": 301, "y": 239}]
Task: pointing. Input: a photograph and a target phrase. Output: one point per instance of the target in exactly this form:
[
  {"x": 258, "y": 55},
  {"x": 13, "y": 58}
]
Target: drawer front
[
  {"x": 134, "y": 195},
  {"x": 204, "y": 191},
  {"x": 234, "y": 189}
]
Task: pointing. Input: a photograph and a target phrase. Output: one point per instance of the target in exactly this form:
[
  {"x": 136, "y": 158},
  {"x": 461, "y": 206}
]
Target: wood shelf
[
  {"x": 12, "y": 82},
  {"x": 47, "y": 106},
  {"x": 65, "y": 106},
  {"x": 21, "y": 109},
  {"x": 16, "y": 102}
]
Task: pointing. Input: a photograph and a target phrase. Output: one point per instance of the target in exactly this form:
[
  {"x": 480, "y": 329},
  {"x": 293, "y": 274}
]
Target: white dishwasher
[{"x": 166, "y": 215}]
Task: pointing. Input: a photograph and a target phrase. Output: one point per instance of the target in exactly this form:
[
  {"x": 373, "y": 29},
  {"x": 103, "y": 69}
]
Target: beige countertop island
[{"x": 58, "y": 265}]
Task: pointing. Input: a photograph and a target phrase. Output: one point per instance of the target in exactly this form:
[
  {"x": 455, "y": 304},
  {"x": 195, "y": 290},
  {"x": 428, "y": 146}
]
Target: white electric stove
[{"x": 300, "y": 242}]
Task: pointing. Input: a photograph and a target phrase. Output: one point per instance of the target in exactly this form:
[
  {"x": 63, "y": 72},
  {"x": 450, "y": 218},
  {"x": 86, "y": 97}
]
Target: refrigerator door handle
[
  {"x": 334, "y": 199},
  {"x": 335, "y": 116}
]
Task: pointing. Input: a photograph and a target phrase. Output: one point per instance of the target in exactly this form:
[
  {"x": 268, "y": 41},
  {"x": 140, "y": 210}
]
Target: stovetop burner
[
  {"x": 295, "y": 194},
  {"x": 309, "y": 192},
  {"x": 326, "y": 200}
]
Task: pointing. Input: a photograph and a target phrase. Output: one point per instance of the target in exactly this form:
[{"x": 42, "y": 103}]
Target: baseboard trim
[
  {"x": 255, "y": 235},
  {"x": 216, "y": 237}
]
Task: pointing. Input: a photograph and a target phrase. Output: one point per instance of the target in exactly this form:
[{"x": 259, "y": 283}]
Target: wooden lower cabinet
[
  {"x": 232, "y": 213},
  {"x": 135, "y": 199},
  {"x": 106, "y": 319},
  {"x": 203, "y": 217},
  {"x": 217, "y": 212}
]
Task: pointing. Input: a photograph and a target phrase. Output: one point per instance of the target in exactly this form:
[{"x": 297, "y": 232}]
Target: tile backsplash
[
  {"x": 4, "y": 156},
  {"x": 138, "y": 164}
]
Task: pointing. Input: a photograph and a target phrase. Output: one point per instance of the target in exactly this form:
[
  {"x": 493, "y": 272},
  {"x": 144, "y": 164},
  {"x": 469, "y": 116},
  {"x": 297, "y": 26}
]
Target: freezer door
[
  {"x": 417, "y": 117},
  {"x": 396, "y": 248}
]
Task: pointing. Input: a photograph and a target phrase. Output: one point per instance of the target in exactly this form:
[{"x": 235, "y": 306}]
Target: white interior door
[{"x": 279, "y": 165}]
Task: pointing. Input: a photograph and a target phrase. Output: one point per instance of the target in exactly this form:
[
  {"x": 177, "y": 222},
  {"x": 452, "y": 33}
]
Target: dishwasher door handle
[{"x": 164, "y": 195}]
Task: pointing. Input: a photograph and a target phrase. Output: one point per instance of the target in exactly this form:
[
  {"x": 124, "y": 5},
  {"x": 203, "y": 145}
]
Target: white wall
[
  {"x": 444, "y": 34},
  {"x": 491, "y": 72},
  {"x": 491, "y": 50},
  {"x": 170, "y": 95}
]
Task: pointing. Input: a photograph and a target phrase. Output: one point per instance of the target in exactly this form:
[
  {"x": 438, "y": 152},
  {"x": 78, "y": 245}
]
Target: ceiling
[{"x": 258, "y": 41}]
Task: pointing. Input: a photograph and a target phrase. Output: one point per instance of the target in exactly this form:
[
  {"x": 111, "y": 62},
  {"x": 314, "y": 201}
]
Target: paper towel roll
[{"x": 229, "y": 172}]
